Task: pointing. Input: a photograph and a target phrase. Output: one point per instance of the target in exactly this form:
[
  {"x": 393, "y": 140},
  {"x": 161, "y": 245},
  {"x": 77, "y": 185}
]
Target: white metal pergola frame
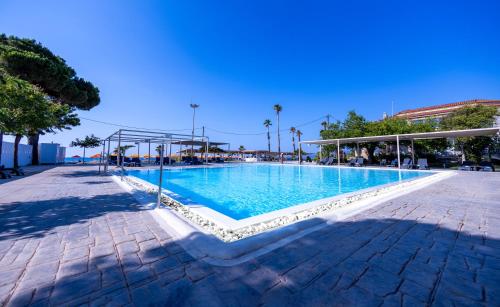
[
  {"x": 402, "y": 137},
  {"x": 149, "y": 137}
]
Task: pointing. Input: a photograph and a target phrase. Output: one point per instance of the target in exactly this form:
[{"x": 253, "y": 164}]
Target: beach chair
[
  {"x": 323, "y": 161},
  {"x": 486, "y": 166},
  {"x": 12, "y": 170},
  {"x": 407, "y": 163},
  {"x": 383, "y": 162},
  {"x": 359, "y": 162},
  {"x": 422, "y": 164},
  {"x": 467, "y": 166},
  {"x": 330, "y": 161},
  {"x": 4, "y": 175},
  {"x": 394, "y": 163},
  {"x": 352, "y": 162},
  {"x": 136, "y": 162},
  {"x": 112, "y": 160}
]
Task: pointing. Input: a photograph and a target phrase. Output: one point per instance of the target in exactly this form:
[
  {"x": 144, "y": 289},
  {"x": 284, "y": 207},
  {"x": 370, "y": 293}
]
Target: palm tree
[
  {"x": 292, "y": 131},
  {"x": 278, "y": 108},
  {"x": 267, "y": 124},
  {"x": 241, "y": 149},
  {"x": 299, "y": 134},
  {"x": 122, "y": 150},
  {"x": 325, "y": 125}
]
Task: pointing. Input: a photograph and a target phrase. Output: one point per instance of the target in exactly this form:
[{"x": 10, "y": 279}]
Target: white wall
[{"x": 24, "y": 154}]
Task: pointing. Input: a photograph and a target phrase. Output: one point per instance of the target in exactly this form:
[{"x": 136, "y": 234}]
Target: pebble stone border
[{"x": 231, "y": 235}]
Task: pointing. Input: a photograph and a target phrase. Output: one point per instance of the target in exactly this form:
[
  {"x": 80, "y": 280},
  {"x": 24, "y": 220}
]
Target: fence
[{"x": 7, "y": 153}]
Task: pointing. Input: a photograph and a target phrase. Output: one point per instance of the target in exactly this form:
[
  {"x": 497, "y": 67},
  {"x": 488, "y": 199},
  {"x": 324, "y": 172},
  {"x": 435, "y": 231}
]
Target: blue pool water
[{"x": 241, "y": 191}]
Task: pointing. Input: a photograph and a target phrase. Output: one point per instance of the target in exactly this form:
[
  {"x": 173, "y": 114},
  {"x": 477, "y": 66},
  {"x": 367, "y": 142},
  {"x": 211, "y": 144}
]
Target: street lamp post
[{"x": 194, "y": 106}]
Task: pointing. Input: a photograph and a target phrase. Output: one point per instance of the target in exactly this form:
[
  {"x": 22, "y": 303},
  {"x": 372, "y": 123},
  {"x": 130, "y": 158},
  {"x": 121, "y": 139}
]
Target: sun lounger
[
  {"x": 360, "y": 162},
  {"x": 485, "y": 166},
  {"x": 394, "y": 163},
  {"x": 407, "y": 163},
  {"x": 4, "y": 175},
  {"x": 136, "y": 161},
  {"x": 323, "y": 161},
  {"x": 422, "y": 164},
  {"x": 467, "y": 166},
  {"x": 330, "y": 161},
  {"x": 383, "y": 162},
  {"x": 15, "y": 171}
]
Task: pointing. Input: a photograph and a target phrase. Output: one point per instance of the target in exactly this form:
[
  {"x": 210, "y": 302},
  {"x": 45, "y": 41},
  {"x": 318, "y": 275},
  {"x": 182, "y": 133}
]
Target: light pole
[{"x": 194, "y": 106}]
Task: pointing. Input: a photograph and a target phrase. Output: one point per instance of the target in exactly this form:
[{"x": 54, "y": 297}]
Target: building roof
[{"x": 445, "y": 108}]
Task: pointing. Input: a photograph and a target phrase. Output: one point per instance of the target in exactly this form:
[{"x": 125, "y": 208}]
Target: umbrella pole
[{"x": 149, "y": 152}]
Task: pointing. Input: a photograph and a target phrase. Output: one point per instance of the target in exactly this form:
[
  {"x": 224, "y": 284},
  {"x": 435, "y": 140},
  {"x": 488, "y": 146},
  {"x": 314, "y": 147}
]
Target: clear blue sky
[{"x": 238, "y": 58}]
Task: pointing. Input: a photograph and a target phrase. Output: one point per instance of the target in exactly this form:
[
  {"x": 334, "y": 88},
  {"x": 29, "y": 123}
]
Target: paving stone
[
  {"x": 140, "y": 275},
  {"x": 165, "y": 265},
  {"x": 379, "y": 282},
  {"x": 73, "y": 267},
  {"x": 198, "y": 270},
  {"x": 415, "y": 290},
  {"x": 451, "y": 288},
  {"x": 389, "y": 255},
  {"x": 78, "y": 286},
  {"x": 356, "y": 296},
  {"x": 128, "y": 247},
  {"x": 102, "y": 250}
]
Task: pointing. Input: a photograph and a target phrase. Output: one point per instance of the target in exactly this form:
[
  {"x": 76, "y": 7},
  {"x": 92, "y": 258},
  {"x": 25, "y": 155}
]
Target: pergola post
[
  {"x": 320, "y": 152},
  {"x": 338, "y": 152},
  {"x": 412, "y": 153},
  {"x": 119, "y": 157},
  {"x": 102, "y": 156},
  {"x": 206, "y": 152},
  {"x": 107, "y": 156},
  {"x": 149, "y": 151},
  {"x": 180, "y": 152},
  {"x": 170, "y": 152},
  {"x": 138, "y": 150},
  {"x": 397, "y": 148},
  {"x": 300, "y": 153},
  {"x": 158, "y": 200}
]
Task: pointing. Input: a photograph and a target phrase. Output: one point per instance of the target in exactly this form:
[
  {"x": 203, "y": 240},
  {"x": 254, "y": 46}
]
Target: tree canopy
[
  {"x": 356, "y": 125},
  {"x": 32, "y": 62},
  {"x": 24, "y": 108},
  {"x": 90, "y": 141},
  {"x": 471, "y": 118},
  {"x": 123, "y": 149},
  {"x": 28, "y": 60}
]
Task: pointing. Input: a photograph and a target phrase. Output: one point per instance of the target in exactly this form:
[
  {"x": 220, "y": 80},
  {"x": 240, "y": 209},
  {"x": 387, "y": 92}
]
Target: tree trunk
[
  {"x": 16, "y": 150},
  {"x": 279, "y": 139},
  {"x": 1, "y": 144},
  {"x": 33, "y": 141},
  {"x": 268, "y": 141},
  {"x": 300, "y": 149}
]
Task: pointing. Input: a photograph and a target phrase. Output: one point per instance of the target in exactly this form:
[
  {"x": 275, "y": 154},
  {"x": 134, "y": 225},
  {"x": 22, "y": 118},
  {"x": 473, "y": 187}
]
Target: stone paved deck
[{"x": 68, "y": 237}]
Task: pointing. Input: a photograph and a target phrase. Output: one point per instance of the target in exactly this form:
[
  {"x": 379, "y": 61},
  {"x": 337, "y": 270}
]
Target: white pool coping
[{"x": 202, "y": 232}]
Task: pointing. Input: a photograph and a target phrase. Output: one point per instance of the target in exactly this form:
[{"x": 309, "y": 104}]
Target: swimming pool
[{"x": 247, "y": 190}]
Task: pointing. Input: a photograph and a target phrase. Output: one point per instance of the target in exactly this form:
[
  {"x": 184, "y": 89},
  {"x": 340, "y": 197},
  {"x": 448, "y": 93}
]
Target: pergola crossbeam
[{"x": 406, "y": 137}]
